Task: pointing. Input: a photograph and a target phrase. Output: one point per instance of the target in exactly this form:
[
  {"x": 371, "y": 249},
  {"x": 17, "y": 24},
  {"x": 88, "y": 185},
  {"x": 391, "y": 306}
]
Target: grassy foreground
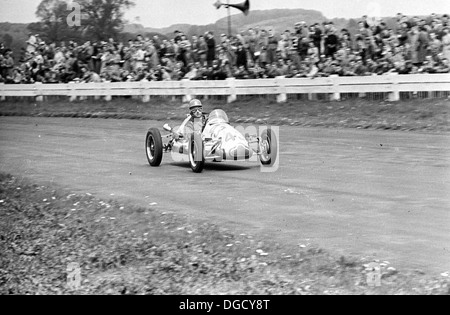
[
  {"x": 124, "y": 249},
  {"x": 431, "y": 115}
]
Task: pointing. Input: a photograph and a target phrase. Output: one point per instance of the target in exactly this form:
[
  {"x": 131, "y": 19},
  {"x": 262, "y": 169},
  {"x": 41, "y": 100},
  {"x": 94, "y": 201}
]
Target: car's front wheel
[
  {"x": 154, "y": 147},
  {"x": 268, "y": 145},
  {"x": 196, "y": 157}
]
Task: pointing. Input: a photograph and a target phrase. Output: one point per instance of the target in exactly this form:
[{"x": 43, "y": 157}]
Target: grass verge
[
  {"x": 431, "y": 115},
  {"x": 123, "y": 249}
]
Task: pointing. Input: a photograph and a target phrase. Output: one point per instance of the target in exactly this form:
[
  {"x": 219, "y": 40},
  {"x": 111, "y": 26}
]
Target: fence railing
[{"x": 393, "y": 86}]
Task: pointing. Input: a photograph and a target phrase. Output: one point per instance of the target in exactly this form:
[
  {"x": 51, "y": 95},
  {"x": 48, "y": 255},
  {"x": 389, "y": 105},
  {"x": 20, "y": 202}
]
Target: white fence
[{"x": 391, "y": 85}]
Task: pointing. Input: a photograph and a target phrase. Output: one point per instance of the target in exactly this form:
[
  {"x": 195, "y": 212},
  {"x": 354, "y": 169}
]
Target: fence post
[
  {"x": 187, "y": 97},
  {"x": 145, "y": 97},
  {"x": 280, "y": 81},
  {"x": 72, "y": 96},
  {"x": 38, "y": 88},
  {"x": 2, "y": 96},
  {"x": 232, "y": 85},
  {"x": 108, "y": 96},
  {"x": 82, "y": 97},
  {"x": 335, "y": 96},
  {"x": 394, "y": 96}
]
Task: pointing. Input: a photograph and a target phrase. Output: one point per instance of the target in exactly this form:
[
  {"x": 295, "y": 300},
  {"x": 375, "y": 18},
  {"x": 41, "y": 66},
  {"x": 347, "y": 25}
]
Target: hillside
[
  {"x": 14, "y": 35},
  {"x": 279, "y": 20}
]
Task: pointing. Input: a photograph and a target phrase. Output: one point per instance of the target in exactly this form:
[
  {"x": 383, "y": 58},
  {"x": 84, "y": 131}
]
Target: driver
[{"x": 195, "y": 120}]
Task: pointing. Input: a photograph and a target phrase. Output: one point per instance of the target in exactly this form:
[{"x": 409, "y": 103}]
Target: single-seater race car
[{"x": 217, "y": 141}]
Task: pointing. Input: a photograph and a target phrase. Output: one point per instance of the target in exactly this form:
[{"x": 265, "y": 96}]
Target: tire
[
  {"x": 154, "y": 147},
  {"x": 269, "y": 142},
  {"x": 196, "y": 157}
]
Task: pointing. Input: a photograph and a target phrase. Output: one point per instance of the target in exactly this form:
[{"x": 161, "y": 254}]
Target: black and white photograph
[{"x": 224, "y": 153}]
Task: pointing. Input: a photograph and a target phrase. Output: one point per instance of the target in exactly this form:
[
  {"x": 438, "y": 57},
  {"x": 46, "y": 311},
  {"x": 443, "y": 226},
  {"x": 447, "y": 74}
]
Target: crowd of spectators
[{"x": 414, "y": 45}]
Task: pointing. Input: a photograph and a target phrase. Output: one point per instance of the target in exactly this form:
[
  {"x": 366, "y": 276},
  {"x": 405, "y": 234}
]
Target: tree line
[{"x": 99, "y": 20}]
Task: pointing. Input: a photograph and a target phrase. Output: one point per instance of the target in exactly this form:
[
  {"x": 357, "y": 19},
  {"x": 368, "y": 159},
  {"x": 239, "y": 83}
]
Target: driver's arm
[
  {"x": 205, "y": 120},
  {"x": 180, "y": 129}
]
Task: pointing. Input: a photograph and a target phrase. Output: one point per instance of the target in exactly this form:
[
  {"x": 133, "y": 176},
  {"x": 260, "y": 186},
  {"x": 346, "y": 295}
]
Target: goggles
[{"x": 196, "y": 110}]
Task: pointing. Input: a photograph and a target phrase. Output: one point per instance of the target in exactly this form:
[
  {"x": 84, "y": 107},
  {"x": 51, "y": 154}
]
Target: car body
[{"x": 216, "y": 140}]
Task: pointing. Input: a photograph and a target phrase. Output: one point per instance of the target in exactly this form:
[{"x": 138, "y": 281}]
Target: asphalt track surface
[{"x": 377, "y": 194}]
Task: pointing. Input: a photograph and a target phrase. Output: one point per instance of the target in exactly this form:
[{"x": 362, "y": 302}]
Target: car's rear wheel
[
  {"x": 268, "y": 144},
  {"x": 196, "y": 157},
  {"x": 154, "y": 147}
]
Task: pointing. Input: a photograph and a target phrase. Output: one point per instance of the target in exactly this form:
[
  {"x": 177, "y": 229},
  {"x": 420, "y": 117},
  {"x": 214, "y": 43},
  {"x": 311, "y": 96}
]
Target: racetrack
[{"x": 378, "y": 194}]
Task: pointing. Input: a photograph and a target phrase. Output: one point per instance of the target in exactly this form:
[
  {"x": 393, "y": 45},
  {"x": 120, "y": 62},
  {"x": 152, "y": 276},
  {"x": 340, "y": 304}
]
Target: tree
[
  {"x": 7, "y": 40},
  {"x": 53, "y": 24},
  {"x": 103, "y": 19}
]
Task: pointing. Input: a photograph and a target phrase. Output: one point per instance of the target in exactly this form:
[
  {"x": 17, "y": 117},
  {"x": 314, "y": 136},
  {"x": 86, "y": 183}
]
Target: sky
[{"x": 163, "y": 13}]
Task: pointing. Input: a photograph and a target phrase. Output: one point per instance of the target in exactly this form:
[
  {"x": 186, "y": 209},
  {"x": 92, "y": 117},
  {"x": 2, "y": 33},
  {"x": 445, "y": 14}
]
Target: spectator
[
  {"x": 283, "y": 68},
  {"x": 429, "y": 65},
  {"x": 195, "y": 47},
  {"x": 241, "y": 73},
  {"x": 241, "y": 56},
  {"x": 301, "y": 30},
  {"x": 313, "y": 70},
  {"x": 313, "y": 52},
  {"x": 443, "y": 66},
  {"x": 251, "y": 41},
  {"x": 138, "y": 56},
  {"x": 361, "y": 69},
  {"x": 255, "y": 71},
  {"x": 184, "y": 51},
  {"x": 302, "y": 48},
  {"x": 202, "y": 50},
  {"x": 413, "y": 41},
  {"x": 262, "y": 41},
  {"x": 8, "y": 64},
  {"x": 284, "y": 44},
  {"x": 218, "y": 71},
  {"x": 435, "y": 45},
  {"x": 211, "y": 45},
  {"x": 192, "y": 72},
  {"x": 89, "y": 76},
  {"x": 16, "y": 77},
  {"x": 222, "y": 57},
  {"x": 165, "y": 75},
  {"x": 228, "y": 47},
  {"x": 272, "y": 45},
  {"x": 331, "y": 42},
  {"x": 151, "y": 55},
  {"x": 422, "y": 49},
  {"x": 32, "y": 43}
]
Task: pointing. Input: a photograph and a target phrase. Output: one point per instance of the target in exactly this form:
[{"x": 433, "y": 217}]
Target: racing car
[{"x": 217, "y": 141}]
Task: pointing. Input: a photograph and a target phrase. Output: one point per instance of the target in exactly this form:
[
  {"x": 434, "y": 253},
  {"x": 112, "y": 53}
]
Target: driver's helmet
[{"x": 196, "y": 108}]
